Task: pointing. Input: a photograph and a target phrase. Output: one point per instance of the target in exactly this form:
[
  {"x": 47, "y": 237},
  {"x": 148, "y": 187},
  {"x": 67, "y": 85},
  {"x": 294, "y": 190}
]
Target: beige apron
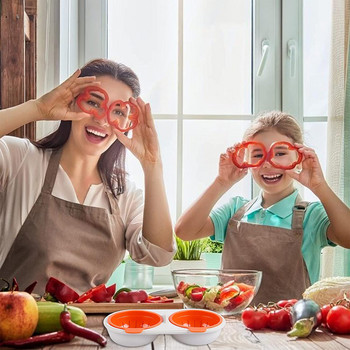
[
  {"x": 273, "y": 250},
  {"x": 74, "y": 243}
]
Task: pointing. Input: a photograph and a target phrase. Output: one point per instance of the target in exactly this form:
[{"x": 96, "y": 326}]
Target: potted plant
[
  {"x": 212, "y": 253},
  {"x": 188, "y": 255}
]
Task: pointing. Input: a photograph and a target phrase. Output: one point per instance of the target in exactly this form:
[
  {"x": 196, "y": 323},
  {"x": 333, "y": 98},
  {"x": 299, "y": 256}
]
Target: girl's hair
[
  {"x": 111, "y": 164},
  {"x": 284, "y": 123}
]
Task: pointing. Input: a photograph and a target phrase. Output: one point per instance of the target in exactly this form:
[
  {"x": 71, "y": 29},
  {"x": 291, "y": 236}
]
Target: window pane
[
  {"x": 203, "y": 143},
  {"x": 317, "y": 35},
  {"x": 167, "y": 135},
  {"x": 143, "y": 35},
  {"x": 315, "y": 135},
  {"x": 217, "y": 57}
]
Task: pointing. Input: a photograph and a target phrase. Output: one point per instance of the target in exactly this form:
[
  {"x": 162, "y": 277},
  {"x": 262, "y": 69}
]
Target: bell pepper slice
[
  {"x": 228, "y": 293},
  {"x": 60, "y": 291},
  {"x": 240, "y": 299},
  {"x": 98, "y": 294}
]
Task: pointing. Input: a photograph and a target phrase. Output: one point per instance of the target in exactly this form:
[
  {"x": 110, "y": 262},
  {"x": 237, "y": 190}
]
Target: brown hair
[
  {"x": 284, "y": 123},
  {"x": 111, "y": 164}
]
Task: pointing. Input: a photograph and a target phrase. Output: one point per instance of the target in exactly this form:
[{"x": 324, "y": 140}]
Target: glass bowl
[{"x": 226, "y": 292}]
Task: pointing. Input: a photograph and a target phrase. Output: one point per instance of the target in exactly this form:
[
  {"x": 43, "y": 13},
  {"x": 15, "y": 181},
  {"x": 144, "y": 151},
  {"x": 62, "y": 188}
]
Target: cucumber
[
  {"x": 49, "y": 316},
  {"x": 306, "y": 317}
]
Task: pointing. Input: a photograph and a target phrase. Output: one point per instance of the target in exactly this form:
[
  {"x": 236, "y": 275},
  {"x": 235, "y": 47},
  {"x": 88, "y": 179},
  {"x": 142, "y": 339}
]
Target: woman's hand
[
  {"x": 144, "y": 142},
  {"x": 229, "y": 174},
  {"x": 311, "y": 174},
  {"x": 56, "y": 104}
]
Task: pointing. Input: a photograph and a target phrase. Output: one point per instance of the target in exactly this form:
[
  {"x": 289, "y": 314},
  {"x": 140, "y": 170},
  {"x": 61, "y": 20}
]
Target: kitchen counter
[{"x": 233, "y": 336}]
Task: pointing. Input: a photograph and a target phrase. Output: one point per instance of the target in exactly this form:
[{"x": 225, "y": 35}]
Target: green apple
[{"x": 19, "y": 315}]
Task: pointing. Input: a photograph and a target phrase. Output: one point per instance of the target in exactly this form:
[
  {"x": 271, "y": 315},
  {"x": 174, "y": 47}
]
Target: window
[{"x": 208, "y": 68}]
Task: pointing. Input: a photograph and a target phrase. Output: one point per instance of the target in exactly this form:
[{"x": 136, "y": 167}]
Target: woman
[{"x": 66, "y": 208}]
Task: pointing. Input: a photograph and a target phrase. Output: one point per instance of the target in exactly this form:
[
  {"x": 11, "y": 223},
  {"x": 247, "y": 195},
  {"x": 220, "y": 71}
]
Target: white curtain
[{"x": 335, "y": 262}]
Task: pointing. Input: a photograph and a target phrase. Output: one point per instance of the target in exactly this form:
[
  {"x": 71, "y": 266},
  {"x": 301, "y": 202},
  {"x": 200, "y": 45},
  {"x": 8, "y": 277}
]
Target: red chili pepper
[
  {"x": 31, "y": 287},
  {"x": 79, "y": 331},
  {"x": 134, "y": 296},
  {"x": 60, "y": 291},
  {"x": 39, "y": 340},
  {"x": 15, "y": 286}
]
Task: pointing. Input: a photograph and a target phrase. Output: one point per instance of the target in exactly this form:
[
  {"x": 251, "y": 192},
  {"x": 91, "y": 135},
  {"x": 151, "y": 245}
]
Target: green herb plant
[
  {"x": 189, "y": 250},
  {"x": 212, "y": 246}
]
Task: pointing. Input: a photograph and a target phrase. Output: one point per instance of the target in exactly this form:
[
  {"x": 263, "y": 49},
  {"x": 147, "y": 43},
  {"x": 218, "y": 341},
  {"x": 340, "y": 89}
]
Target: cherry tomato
[
  {"x": 286, "y": 303},
  {"x": 279, "y": 320},
  {"x": 254, "y": 318},
  {"x": 338, "y": 319},
  {"x": 324, "y": 311}
]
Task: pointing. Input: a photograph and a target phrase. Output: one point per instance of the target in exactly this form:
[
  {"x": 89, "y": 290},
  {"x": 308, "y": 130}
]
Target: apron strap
[
  {"x": 51, "y": 171},
  {"x": 299, "y": 210}
]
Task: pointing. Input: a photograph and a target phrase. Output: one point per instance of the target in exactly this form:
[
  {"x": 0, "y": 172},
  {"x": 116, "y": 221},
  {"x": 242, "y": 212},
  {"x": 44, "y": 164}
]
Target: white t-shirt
[{"x": 22, "y": 173}]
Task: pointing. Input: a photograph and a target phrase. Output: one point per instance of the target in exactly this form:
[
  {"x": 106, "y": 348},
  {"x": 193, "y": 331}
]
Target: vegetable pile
[{"x": 226, "y": 297}]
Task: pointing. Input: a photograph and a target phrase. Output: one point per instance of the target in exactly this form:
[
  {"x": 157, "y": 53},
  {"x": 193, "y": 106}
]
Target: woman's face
[
  {"x": 270, "y": 179},
  {"x": 92, "y": 136}
]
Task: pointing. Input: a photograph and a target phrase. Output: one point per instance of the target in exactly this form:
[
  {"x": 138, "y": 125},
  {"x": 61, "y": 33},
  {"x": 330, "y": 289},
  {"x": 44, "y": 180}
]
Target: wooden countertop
[{"x": 233, "y": 336}]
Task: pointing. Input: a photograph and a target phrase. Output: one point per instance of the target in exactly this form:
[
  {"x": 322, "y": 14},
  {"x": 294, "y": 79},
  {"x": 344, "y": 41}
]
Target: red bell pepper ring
[
  {"x": 132, "y": 118},
  {"x": 228, "y": 293},
  {"x": 60, "y": 291},
  {"x": 86, "y": 96}
]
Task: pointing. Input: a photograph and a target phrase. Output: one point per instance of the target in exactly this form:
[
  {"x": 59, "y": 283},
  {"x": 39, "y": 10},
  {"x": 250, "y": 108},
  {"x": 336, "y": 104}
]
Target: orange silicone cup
[
  {"x": 197, "y": 321},
  {"x": 134, "y": 321}
]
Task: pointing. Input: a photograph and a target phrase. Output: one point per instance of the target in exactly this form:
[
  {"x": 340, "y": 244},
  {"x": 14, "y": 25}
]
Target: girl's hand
[
  {"x": 311, "y": 174},
  {"x": 229, "y": 174},
  {"x": 55, "y": 105},
  {"x": 144, "y": 142}
]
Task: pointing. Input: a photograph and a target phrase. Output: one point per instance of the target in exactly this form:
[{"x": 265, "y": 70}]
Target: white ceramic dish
[{"x": 198, "y": 335}]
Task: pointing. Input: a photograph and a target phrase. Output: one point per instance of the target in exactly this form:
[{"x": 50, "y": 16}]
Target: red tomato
[
  {"x": 182, "y": 287},
  {"x": 338, "y": 319},
  {"x": 286, "y": 303},
  {"x": 324, "y": 311},
  {"x": 244, "y": 297},
  {"x": 254, "y": 319},
  {"x": 279, "y": 320}
]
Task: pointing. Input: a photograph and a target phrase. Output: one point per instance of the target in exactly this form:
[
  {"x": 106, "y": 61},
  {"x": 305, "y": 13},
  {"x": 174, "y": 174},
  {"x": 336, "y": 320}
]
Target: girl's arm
[
  {"x": 195, "y": 222},
  {"x": 157, "y": 225},
  {"x": 51, "y": 106},
  {"x": 338, "y": 213}
]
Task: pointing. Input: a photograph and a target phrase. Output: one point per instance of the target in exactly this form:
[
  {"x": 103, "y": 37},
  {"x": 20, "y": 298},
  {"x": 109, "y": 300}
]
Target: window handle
[
  {"x": 265, "y": 45},
  {"x": 292, "y": 48}
]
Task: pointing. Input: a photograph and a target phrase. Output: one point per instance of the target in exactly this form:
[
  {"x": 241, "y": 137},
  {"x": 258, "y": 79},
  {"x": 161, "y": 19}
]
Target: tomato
[
  {"x": 197, "y": 293},
  {"x": 279, "y": 320},
  {"x": 338, "y": 319},
  {"x": 182, "y": 286},
  {"x": 228, "y": 293},
  {"x": 324, "y": 311},
  {"x": 286, "y": 303},
  {"x": 254, "y": 318},
  {"x": 244, "y": 297}
]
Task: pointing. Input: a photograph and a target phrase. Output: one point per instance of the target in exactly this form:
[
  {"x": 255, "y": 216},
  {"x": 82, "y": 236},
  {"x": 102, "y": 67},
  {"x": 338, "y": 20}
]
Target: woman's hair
[
  {"x": 111, "y": 164},
  {"x": 284, "y": 123}
]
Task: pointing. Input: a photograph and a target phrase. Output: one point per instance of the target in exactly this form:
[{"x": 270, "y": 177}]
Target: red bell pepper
[
  {"x": 98, "y": 294},
  {"x": 60, "y": 291},
  {"x": 133, "y": 296},
  {"x": 158, "y": 300}
]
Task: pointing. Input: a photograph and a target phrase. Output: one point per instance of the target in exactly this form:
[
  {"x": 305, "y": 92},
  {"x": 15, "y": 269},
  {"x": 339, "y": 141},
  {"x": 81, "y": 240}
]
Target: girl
[
  {"x": 66, "y": 207},
  {"x": 276, "y": 232}
]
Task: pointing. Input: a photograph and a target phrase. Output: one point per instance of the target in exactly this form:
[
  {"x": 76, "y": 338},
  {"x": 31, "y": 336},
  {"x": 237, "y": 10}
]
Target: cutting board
[{"x": 102, "y": 308}]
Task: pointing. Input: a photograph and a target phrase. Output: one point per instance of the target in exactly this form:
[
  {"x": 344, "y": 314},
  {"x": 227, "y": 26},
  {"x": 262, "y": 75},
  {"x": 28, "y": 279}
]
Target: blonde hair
[{"x": 284, "y": 123}]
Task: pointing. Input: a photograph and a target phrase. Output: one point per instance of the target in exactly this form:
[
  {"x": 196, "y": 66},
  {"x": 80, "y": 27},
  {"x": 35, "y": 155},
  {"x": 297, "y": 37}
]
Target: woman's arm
[
  {"x": 338, "y": 213},
  {"x": 52, "y": 106},
  {"x": 157, "y": 225},
  {"x": 195, "y": 222}
]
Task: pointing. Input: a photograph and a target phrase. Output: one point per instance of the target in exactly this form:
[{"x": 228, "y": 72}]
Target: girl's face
[
  {"x": 94, "y": 136},
  {"x": 270, "y": 179}
]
